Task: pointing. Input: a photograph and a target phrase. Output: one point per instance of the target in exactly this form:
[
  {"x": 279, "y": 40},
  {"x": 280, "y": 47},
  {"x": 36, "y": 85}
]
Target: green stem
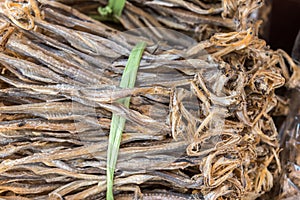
[
  {"x": 112, "y": 10},
  {"x": 117, "y": 122}
]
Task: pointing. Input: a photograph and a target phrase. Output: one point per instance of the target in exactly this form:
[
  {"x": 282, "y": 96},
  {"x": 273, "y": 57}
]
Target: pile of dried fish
[
  {"x": 289, "y": 138},
  {"x": 199, "y": 121},
  {"x": 290, "y": 182},
  {"x": 200, "y": 19}
]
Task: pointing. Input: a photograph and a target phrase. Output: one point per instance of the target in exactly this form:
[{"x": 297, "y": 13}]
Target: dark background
[{"x": 284, "y": 24}]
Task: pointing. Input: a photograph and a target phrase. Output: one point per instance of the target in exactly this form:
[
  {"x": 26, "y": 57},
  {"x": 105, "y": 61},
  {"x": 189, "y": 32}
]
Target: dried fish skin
[{"x": 22, "y": 13}]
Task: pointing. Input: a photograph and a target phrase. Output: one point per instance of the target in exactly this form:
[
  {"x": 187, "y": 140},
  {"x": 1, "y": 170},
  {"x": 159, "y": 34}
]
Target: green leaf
[{"x": 118, "y": 123}]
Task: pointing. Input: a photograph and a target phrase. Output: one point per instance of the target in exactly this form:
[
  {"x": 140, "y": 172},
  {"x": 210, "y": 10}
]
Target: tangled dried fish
[
  {"x": 199, "y": 120},
  {"x": 20, "y": 12},
  {"x": 197, "y": 18},
  {"x": 200, "y": 19}
]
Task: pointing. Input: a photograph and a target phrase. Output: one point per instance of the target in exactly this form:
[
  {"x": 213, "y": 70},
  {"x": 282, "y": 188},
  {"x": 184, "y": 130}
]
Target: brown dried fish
[{"x": 199, "y": 120}]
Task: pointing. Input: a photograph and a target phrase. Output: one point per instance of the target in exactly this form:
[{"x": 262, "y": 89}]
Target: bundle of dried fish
[
  {"x": 290, "y": 179},
  {"x": 199, "y": 120},
  {"x": 290, "y": 182},
  {"x": 201, "y": 19}
]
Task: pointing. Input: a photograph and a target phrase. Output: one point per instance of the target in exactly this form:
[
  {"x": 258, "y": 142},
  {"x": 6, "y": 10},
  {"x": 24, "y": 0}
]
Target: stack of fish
[{"x": 199, "y": 123}]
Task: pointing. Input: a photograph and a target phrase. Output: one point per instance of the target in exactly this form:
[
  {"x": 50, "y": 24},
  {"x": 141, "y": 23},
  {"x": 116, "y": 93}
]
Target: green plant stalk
[
  {"x": 112, "y": 11},
  {"x": 118, "y": 123}
]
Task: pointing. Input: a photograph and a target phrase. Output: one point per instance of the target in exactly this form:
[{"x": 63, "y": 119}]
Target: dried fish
[{"x": 200, "y": 117}]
